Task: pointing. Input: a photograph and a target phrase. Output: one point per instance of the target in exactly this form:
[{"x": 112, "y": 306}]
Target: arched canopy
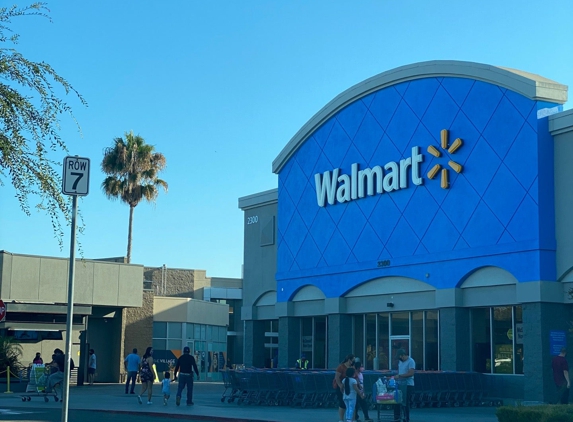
[
  {"x": 488, "y": 276},
  {"x": 308, "y": 293},
  {"x": 389, "y": 285},
  {"x": 267, "y": 299}
]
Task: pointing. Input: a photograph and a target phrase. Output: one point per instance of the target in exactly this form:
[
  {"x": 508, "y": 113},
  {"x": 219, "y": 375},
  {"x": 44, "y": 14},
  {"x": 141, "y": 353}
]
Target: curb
[{"x": 179, "y": 416}]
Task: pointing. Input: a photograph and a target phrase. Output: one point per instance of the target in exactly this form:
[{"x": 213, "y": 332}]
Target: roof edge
[
  {"x": 532, "y": 86},
  {"x": 258, "y": 199}
]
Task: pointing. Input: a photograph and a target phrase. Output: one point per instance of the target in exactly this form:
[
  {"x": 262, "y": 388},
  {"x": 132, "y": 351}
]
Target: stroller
[{"x": 37, "y": 383}]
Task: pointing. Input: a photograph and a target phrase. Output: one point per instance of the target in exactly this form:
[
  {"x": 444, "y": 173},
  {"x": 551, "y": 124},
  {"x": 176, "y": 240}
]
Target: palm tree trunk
[{"x": 129, "y": 231}]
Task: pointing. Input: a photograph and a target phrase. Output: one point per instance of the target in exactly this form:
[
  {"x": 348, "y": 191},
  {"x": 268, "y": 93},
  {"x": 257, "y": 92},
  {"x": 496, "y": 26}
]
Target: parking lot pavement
[{"x": 110, "y": 398}]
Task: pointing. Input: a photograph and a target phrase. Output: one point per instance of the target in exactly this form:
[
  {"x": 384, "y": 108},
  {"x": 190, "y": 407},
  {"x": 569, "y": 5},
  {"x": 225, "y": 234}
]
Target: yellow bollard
[{"x": 7, "y": 381}]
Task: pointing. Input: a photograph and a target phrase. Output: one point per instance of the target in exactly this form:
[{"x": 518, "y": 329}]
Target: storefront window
[
  {"x": 400, "y": 324},
  {"x": 431, "y": 341},
  {"x": 383, "y": 341},
  {"x": 417, "y": 339},
  {"x": 174, "y": 329},
  {"x": 480, "y": 332},
  {"x": 497, "y": 339},
  {"x": 359, "y": 337},
  {"x": 174, "y": 345},
  {"x": 159, "y": 330},
  {"x": 370, "y": 340},
  {"x": 503, "y": 340},
  {"x": 271, "y": 343},
  {"x": 319, "y": 342},
  {"x": 159, "y": 344},
  {"x": 190, "y": 331},
  {"x": 306, "y": 338}
]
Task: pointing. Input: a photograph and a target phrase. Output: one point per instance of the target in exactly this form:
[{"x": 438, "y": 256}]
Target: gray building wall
[
  {"x": 259, "y": 268},
  {"x": 561, "y": 127},
  {"x": 260, "y": 252}
]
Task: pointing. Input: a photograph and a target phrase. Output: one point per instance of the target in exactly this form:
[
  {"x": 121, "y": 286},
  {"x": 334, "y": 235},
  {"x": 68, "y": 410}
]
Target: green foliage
[
  {"x": 132, "y": 167},
  {"x": 10, "y": 353},
  {"x": 545, "y": 413},
  {"x": 29, "y": 122}
]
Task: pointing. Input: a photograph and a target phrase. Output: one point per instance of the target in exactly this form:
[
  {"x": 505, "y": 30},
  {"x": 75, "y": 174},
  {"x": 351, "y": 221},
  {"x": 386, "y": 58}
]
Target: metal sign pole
[{"x": 69, "y": 321}]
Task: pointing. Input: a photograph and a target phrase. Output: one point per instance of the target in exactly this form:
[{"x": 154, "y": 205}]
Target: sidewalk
[{"x": 208, "y": 406}]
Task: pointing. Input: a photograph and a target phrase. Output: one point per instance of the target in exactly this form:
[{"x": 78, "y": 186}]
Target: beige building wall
[
  {"x": 172, "y": 309},
  {"x": 171, "y": 281},
  {"x": 28, "y": 278},
  {"x": 138, "y": 326}
]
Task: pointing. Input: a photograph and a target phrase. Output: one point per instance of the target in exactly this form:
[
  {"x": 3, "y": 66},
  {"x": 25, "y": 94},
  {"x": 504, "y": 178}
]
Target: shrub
[
  {"x": 545, "y": 413},
  {"x": 10, "y": 353}
]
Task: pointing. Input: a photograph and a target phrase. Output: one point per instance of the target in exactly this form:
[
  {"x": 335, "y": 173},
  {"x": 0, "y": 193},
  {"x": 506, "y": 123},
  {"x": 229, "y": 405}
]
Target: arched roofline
[
  {"x": 314, "y": 292},
  {"x": 532, "y": 86},
  {"x": 263, "y": 298},
  {"x": 504, "y": 275}
]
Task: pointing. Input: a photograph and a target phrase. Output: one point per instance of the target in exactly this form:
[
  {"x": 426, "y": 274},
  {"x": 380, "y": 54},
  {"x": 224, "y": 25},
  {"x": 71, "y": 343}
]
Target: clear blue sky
[{"x": 220, "y": 87}]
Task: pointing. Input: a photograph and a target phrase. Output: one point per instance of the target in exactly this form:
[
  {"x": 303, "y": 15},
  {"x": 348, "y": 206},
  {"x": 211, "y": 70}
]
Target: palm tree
[
  {"x": 10, "y": 354},
  {"x": 132, "y": 167}
]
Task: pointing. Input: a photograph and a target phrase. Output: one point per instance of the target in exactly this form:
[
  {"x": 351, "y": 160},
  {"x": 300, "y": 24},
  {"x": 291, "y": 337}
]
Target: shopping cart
[
  {"x": 38, "y": 378},
  {"x": 386, "y": 396}
]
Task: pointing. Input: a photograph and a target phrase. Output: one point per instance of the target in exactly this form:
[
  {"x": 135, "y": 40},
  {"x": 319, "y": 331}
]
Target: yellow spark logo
[{"x": 445, "y": 184}]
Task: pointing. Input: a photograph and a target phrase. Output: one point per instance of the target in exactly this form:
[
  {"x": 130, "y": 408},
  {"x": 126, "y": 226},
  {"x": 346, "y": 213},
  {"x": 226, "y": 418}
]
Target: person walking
[
  {"x": 132, "y": 364},
  {"x": 561, "y": 376},
  {"x": 186, "y": 364},
  {"x": 339, "y": 387},
  {"x": 405, "y": 380},
  {"x": 92, "y": 365},
  {"x": 147, "y": 375},
  {"x": 166, "y": 387}
]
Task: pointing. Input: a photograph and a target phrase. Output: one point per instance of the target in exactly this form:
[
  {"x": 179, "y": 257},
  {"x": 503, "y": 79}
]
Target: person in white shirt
[
  {"x": 92, "y": 364},
  {"x": 405, "y": 380},
  {"x": 351, "y": 391}
]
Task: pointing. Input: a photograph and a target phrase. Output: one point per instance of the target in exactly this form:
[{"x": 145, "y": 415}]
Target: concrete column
[
  {"x": 289, "y": 341},
  {"x": 254, "y": 346},
  {"x": 455, "y": 339},
  {"x": 339, "y": 338},
  {"x": 82, "y": 364},
  {"x": 538, "y": 320}
]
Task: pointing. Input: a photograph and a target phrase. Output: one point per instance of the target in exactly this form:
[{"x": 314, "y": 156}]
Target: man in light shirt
[
  {"x": 405, "y": 380},
  {"x": 132, "y": 363}
]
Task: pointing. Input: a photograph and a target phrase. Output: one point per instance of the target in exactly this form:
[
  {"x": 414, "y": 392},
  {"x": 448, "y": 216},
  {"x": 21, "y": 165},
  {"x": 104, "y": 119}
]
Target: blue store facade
[{"x": 425, "y": 208}]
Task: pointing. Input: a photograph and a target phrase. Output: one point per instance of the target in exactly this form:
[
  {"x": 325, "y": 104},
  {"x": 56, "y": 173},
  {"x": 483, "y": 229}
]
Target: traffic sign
[
  {"x": 2, "y": 311},
  {"x": 76, "y": 180}
]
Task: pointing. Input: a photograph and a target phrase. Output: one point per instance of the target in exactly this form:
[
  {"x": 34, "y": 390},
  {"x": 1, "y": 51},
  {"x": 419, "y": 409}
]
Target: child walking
[
  {"x": 360, "y": 402},
  {"x": 351, "y": 391},
  {"x": 166, "y": 387}
]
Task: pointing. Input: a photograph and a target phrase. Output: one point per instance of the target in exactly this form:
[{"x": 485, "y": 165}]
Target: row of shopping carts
[{"x": 314, "y": 388}]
